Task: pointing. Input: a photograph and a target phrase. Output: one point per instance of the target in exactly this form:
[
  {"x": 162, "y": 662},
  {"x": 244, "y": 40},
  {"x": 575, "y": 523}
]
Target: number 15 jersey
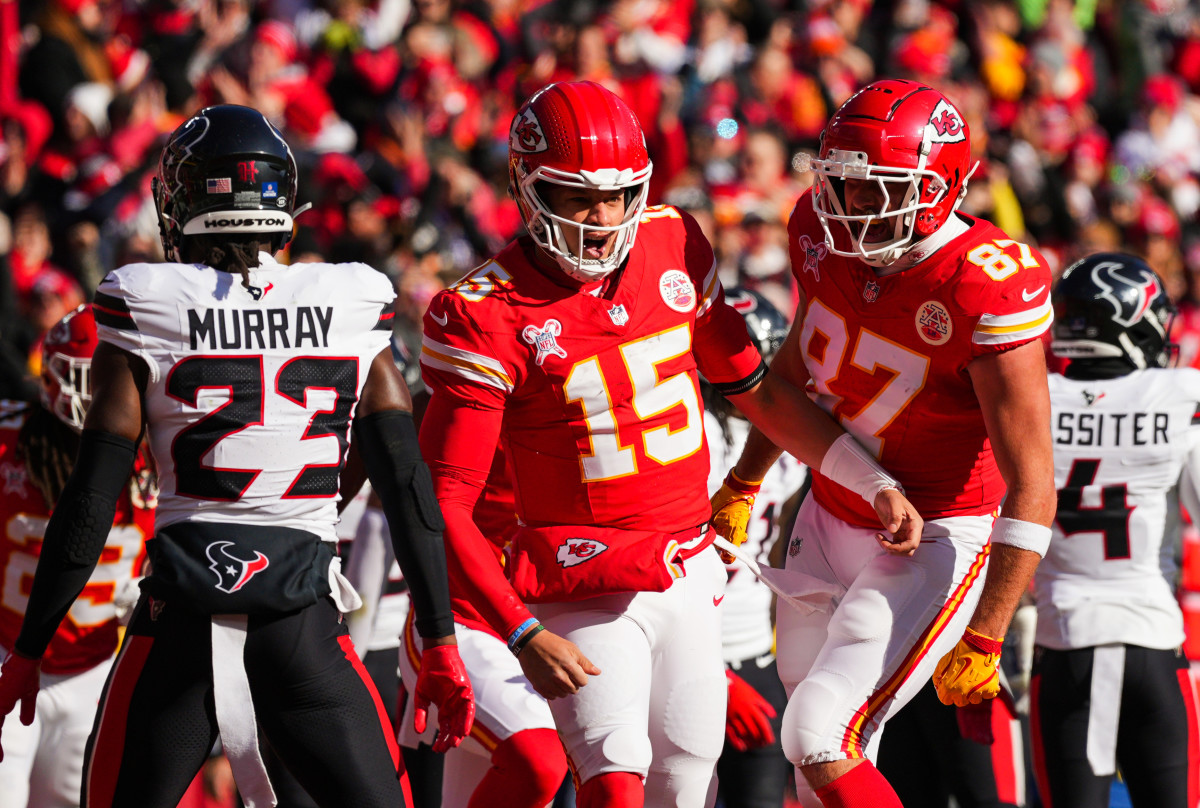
[
  {"x": 251, "y": 392},
  {"x": 601, "y": 404}
]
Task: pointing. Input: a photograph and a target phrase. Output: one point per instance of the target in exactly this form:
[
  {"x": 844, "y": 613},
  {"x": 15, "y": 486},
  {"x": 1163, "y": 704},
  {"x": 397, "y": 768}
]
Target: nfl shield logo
[
  {"x": 618, "y": 315},
  {"x": 871, "y": 292}
]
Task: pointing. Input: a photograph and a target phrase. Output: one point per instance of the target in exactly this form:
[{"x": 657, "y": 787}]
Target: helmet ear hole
[{"x": 928, "y": 221}]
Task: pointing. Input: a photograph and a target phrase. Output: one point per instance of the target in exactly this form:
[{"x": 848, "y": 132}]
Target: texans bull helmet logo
[{"x": 232, "y": 572}]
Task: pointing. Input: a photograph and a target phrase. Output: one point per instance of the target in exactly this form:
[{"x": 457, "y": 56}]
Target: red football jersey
[
  {"x": 887, "y": 357},
  {"x": 88, "y": 634},
  {"x": 598, "y": 393}
]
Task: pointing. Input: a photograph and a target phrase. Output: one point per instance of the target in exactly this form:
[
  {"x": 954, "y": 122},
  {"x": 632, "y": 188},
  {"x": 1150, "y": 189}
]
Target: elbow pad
[
  {"x": 76, "y": 534},
  {"x": 387, "y": 442}
]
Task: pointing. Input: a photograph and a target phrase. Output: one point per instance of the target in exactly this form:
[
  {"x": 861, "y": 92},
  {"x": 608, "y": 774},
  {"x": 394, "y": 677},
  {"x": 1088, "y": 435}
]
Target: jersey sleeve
[
  {"x": 1016, "y": 297},
  {"x": 377, "y": 296},
  {"x": 458, "y": 442},
  {"x": 1189, "y": 487},
  {"x": 457, "y": 354},
  {"x": 123, "y": 312},
  {"x": 723, "y": 350}
]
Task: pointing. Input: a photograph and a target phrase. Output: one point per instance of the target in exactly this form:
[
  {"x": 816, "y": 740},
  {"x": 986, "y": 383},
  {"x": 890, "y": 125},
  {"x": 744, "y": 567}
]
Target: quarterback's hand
[
  {"x": 443, "y": 681},
  {"x": 901, "y": 520},
  {"x": 554, "y": 665},
  {"x": 731, "y": 508},
  {"x": 969, "y": 674},
  {"x": 748, "y": 718},
  {"x": 18, "y": 683}
]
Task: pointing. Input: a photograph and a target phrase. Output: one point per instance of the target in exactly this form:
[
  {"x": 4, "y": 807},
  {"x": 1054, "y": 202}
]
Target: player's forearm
[
  {"x": 75, "y": 535},
  {"x": 789, "y": 420},
  {"x": 392, "y": 458},
  {"x": 476, "y": 578},
  {"x": 1010, "y": 569}
]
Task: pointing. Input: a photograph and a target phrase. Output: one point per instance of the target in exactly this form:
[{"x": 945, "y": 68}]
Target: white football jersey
[
  {"x": 746, "y": 630},
  {"x": 250, "y": 396},
  {"x": 1120, "y": 446}
]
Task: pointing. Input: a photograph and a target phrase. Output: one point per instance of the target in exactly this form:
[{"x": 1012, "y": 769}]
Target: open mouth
[
  {"x": 878, "y": 231},
  {"x": 594, "y": 247}
]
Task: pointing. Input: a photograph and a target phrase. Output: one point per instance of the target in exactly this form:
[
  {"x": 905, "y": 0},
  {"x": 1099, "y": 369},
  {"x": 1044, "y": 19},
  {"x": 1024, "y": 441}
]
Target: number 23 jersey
[
  {"x": 601, "y": 404},
  {"x": 887, "y": 356},
  {"x": 250, "y": 394}
]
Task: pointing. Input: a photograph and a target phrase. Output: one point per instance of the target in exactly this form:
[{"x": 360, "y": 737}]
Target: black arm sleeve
[
  {"x": 75, "y": 535},
  {"x": 387, "y": 443}
]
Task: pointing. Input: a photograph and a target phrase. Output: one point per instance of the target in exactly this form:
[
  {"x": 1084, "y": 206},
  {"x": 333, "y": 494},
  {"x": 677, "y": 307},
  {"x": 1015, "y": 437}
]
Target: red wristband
[
  {"x": 982, "y": 643},
  {"x": 734, "y": 483}
]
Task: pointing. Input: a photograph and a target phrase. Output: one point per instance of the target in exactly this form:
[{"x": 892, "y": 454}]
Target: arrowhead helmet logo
[
  {"x": 945, "y": 124},
  {"x": 578, "y": 550},
  {"x": 232, "y": 572},
  {"x": 526, "y": 135}
]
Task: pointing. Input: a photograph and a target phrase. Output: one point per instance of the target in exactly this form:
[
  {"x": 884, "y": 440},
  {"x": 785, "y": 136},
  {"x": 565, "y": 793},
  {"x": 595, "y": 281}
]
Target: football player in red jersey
[
  {"x": 919, "y": 331},
  {"x": 578, "y": 347},
  {"x": 247, "y": 376},
  {"x": 42, "y": 765}
]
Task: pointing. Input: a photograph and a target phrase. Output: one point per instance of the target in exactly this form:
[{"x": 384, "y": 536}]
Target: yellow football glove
[
  {"x": 969, "y": 673},
  {"x": 731, "y": 508}
]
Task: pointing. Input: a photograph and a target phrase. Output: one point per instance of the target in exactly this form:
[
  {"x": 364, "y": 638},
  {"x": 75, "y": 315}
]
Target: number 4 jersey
[
  {"x": 1120, "y": 448},
  {"x": 251, "y": 392}
]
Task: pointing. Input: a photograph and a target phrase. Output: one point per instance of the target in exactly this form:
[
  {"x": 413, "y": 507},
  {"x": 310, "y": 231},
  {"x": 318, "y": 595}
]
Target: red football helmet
[
  {"x": 580, "y": 135},
  {"x": 915, "y": 144},
  {"x": 66, "y": 366}
]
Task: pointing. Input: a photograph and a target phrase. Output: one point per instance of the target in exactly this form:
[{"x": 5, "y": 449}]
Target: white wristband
[
  {"x": 1022, "y": 535},
  {"x": 849, "y": 465}
]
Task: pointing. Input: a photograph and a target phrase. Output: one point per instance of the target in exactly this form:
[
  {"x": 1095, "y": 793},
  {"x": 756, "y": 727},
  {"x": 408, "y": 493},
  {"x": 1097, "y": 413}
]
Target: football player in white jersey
[
  {"x": 1111, "y": 687},
  {"x": 752, "y": 771},
  {"x": 246, "y": 375}
]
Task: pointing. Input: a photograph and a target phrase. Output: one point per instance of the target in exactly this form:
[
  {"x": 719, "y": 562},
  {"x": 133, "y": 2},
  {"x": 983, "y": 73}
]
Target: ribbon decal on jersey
[
  {"x": 257, "y": 568},
  {"x": 545, "y": 340},
  {"x": 814, "y": 253},
  {"x": 547, "y": 564},
  {"x": 233, "y": 573}
]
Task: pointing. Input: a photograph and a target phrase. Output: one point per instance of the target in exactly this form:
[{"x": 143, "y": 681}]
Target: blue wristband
[{"x": 521, "y": 629}]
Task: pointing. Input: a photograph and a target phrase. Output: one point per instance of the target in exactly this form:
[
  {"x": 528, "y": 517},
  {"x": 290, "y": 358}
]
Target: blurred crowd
[{"x": 1085, "y": 117}]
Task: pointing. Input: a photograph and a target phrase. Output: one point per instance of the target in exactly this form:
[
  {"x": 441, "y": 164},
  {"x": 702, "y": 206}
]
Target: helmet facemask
[
  {"x": 913, "y": 204},
  {"x": 553, "y": 233},
  {"x": 69, "y": 392}
]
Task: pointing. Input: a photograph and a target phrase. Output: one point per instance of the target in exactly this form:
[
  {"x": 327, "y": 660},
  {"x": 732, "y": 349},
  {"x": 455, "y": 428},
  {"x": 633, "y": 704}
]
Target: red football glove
[
  {"x": 18, "y": 682},
  {"x": 443, "y": 681},
  {"x": 748, "y": 719},
  {"x": 975, "y": 722}
]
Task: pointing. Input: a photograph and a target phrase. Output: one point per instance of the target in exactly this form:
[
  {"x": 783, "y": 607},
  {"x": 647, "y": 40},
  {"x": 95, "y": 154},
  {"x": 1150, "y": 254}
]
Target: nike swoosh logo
[
  {"x": 440, "y": 320},
  {"x": 717, "y": 600},
  {"x": 1028, "y": 296}
]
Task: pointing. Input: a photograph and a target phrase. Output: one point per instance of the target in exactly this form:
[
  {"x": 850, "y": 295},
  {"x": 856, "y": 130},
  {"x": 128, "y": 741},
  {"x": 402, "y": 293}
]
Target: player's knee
[
  {"x": 811, "y": 732},
  {"x": 624, "y": 749},
  {"x": 535, "y": 759}
]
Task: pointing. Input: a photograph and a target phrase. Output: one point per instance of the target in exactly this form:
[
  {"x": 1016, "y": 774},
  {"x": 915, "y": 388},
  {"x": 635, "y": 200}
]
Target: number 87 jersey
[
  {"x": 251, "y": 391},
  {"x": 888, "y": 354}
]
